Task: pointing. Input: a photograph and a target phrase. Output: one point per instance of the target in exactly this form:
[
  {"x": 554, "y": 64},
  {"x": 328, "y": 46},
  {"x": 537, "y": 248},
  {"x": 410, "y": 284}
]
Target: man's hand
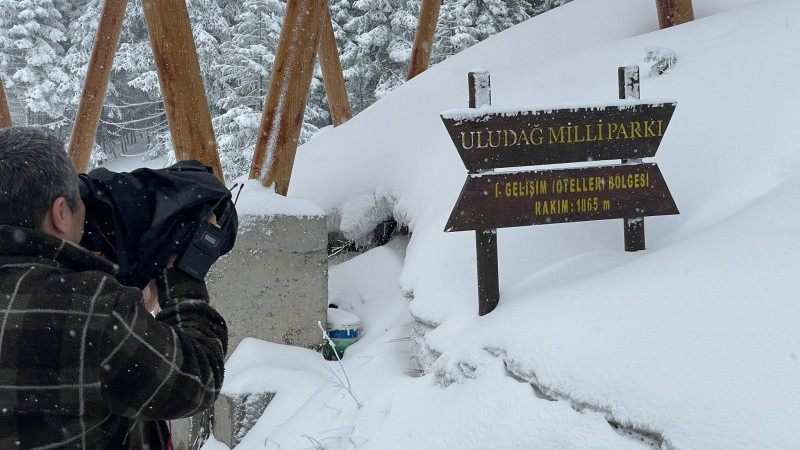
[{"x": 150, "y": 296}]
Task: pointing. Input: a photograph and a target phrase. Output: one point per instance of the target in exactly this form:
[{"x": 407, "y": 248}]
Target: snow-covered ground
[{"x": 692, "y": 344}]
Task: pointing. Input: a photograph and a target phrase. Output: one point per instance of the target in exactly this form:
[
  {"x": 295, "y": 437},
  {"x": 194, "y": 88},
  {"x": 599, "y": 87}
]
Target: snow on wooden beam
[
  {"x": 181, "y": 83},
  {"x": 423, "y": 39},
  {"x": 288, "y": 93}
]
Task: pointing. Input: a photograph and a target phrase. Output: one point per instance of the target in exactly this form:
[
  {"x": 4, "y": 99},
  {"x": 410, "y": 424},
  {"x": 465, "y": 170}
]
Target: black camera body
[{"x": 139, "y": 219}]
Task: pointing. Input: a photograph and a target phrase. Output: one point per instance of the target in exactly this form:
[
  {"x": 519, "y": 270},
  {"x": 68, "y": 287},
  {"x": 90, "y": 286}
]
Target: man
[{"x": 82, "y": 362}]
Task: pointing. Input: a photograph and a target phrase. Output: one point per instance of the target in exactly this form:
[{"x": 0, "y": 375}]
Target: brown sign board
[
  {"x": 510, "y": 199},
  {"x": 488, "y": 137}
]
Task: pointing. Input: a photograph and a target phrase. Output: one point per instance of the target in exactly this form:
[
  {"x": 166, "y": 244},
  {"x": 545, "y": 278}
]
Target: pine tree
[
  {"x": 35, "y": 40},
  {"x": 464, "y": 23},
  {"x": 375, "y": 39}
]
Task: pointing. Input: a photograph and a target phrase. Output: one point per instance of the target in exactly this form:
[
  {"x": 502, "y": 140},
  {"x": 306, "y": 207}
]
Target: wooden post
[
  {"x": 288, "y": 93},
  {"x": 628, "y": 77},
  {"x": 485, "y": 240},
  {"x": 96, "y": 83},
  {"x": 423, "y": 38},
  {"x": 674, "y": 12},
  {"x": 5, "y": 114},
  {"x": 332, "y": 75},
  {"x": 181, "y": 83}
]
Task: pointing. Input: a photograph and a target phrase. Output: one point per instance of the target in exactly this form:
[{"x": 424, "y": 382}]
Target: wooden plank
[
  {"x": 5, "y": 114},
  {"x": 332, "y": 76},
  {"x": 423, "y": 38},
  {"x": 288, "y": 93},
  {"x": 502, "y": 137},
  {"x": 181, "y": 82},
  {"x": 674, "y": 12},
  {"x": 96, "y": 83},
  {"x": 539, "y": 197}
]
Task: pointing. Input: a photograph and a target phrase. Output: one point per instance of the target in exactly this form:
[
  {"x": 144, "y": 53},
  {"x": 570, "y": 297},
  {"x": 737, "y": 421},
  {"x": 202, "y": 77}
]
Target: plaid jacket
[{"x": 83, "y": 364}]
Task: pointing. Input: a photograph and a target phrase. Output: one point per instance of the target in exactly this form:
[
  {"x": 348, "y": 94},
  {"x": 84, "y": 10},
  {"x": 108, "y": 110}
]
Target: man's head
[{"x": 38, "y": 184}]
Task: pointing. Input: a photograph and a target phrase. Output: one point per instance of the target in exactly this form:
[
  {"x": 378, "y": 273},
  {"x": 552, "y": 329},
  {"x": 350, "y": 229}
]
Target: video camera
[{"x": 139, "y": 219}]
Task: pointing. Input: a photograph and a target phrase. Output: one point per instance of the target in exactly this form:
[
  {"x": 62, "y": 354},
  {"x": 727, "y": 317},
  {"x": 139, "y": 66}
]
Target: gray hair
[{"x": 34, "y": 171}]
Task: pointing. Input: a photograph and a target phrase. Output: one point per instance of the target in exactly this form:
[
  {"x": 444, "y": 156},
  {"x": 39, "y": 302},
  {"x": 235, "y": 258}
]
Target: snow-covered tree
[
  {"x": 463, "y": 23},
  {"x": 375, "y": 39},
  {"x": 34, "y": 47}
]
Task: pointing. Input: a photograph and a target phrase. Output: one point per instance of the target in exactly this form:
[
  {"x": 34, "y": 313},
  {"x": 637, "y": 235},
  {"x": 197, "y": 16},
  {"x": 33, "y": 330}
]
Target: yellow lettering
[
  {"x": 508, "y": 189},
  {"x": 577, "y": 134},
  {"x": 523, "y": 137},
  {"x": 464, "y": 141},
  {"x": 589, "y": 134},
  {"x": 490, "y": 139},
  {"x": 480, "y": 133},
  {"x": 612, "y": 128},
  {"x": 648, "y": 128},
  {"x": 537, "y": 140},
  {"x": 636, "y": 129},
  {"x": 506, "y": 136},
  {"x": 620, "y": 130},
  {"x": 556, "y": 138},
  {"x": 660, "y": 131}
]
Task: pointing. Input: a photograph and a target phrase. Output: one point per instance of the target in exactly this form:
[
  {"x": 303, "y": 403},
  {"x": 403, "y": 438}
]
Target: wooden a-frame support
[
  {"x": 179, "y": 75},
  {"x": 5, "y": 114},
  {"x": 178, "y": 70},
  {"x": 307, "y": 28}
]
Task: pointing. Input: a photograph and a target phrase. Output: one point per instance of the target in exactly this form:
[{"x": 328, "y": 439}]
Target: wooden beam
[
  {"x": 5, "y": 114},
  {"x": 423, "y": 39},
  {"x": 288, "y": 94},
  {"x": 332, "y": 75},
  {"x": 674, "y": 12},
  {"x": 181, "y": 82},
  {"x": 96, "y": 83}
]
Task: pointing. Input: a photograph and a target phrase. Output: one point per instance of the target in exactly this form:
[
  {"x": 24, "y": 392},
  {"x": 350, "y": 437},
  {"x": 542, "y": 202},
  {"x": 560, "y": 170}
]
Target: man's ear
[{"x": 56, "y": 220}]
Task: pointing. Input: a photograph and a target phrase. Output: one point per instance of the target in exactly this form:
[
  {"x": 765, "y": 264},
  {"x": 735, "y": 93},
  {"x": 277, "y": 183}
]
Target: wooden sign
[
  {"x": 488, "y": 138},
  {"x": 499, "y": 200}
]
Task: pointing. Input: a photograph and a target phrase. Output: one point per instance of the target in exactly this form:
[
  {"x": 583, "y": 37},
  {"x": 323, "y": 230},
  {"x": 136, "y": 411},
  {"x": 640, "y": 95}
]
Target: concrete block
[
  {"x": 191, "y": 432},
  {"x": 235, "y": 416},
  {"x": 273, "y": 285}
]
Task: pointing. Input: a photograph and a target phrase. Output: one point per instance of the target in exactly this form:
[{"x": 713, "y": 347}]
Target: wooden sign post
[
  {"x": 490, "y": 138},
  {"x": 480, "y": 95}
]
